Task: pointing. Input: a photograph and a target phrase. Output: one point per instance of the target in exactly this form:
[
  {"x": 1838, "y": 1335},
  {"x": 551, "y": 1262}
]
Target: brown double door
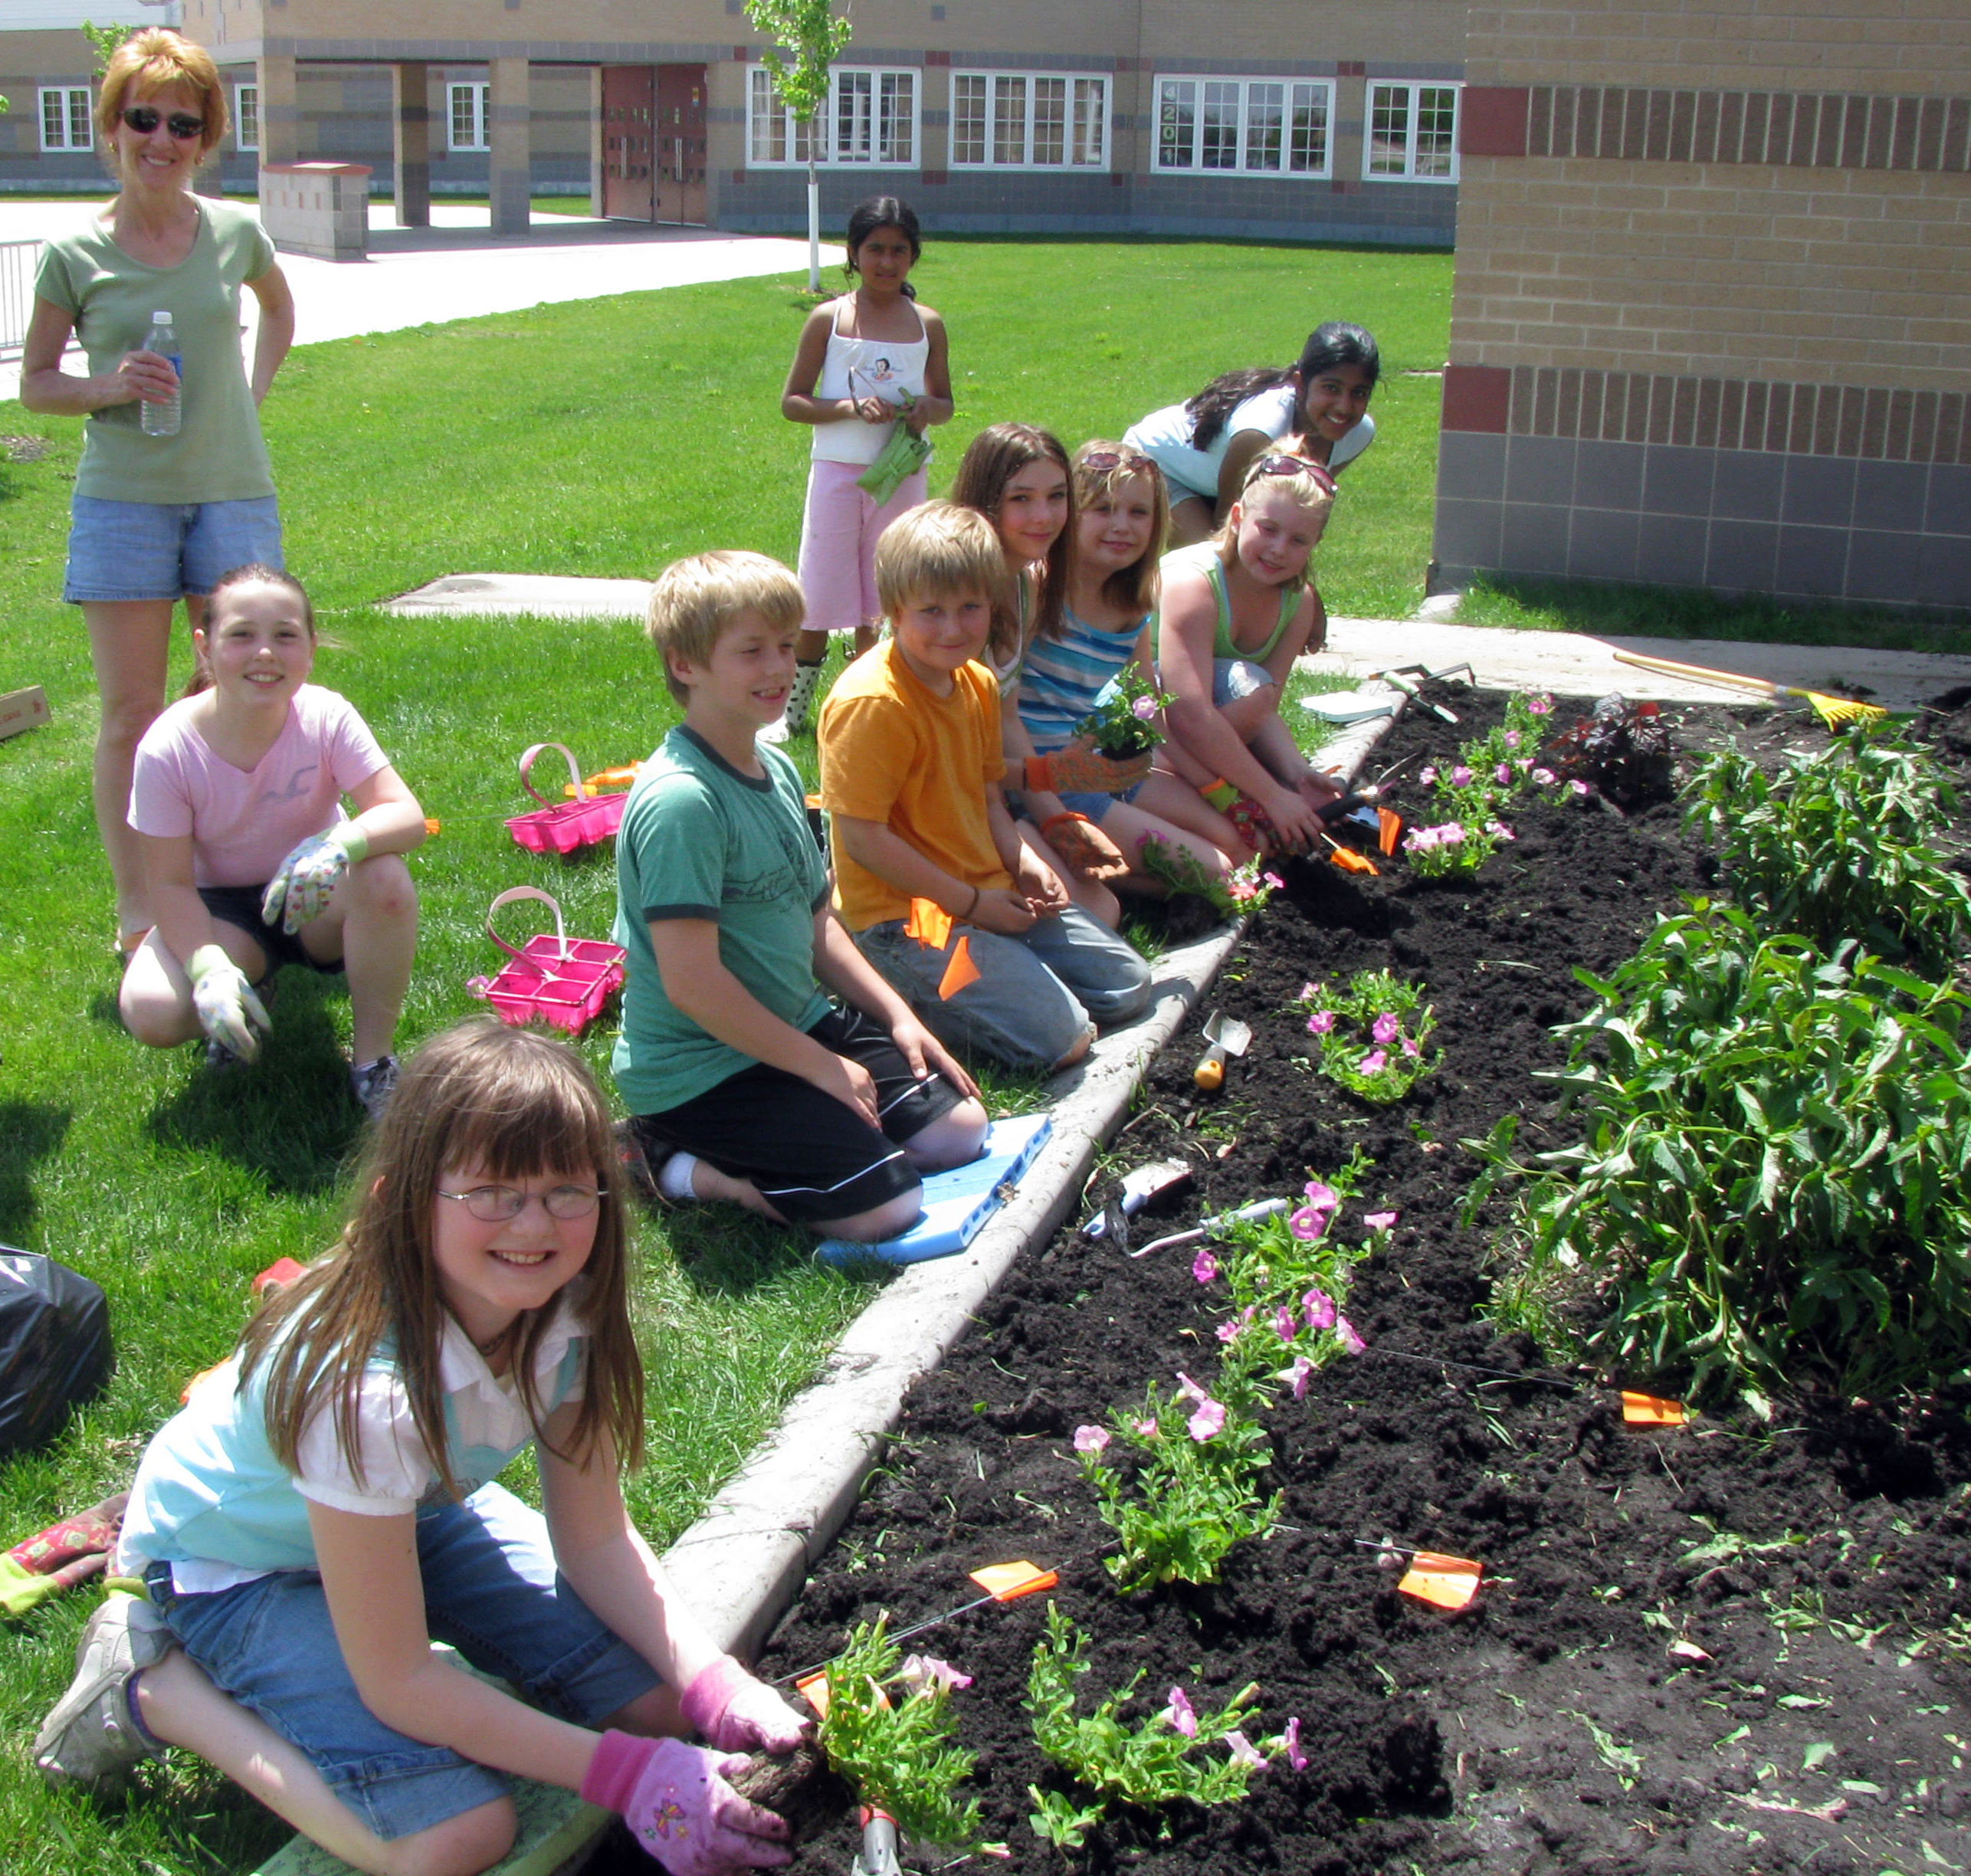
[{"x": 653, "y": 142}]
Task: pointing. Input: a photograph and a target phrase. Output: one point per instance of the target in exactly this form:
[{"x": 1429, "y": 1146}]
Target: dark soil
[{"x": 1547, "y": 1727}]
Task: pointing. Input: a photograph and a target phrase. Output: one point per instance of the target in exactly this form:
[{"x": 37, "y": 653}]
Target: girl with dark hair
[
  {"x": 866, "y": 362},
  {"x": 235, "y": 807},
  {"x": 324, "y": 1506},
  {"x": 1317, "y": 409}
]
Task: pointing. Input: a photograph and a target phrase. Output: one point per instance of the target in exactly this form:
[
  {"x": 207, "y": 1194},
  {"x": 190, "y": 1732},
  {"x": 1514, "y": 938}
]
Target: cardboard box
[{"x": 22, "y": 709}]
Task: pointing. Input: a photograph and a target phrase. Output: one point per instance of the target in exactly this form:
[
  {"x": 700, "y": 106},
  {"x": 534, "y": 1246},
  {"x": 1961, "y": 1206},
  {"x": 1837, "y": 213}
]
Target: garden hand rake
[{"x": 1834, "y": 712}]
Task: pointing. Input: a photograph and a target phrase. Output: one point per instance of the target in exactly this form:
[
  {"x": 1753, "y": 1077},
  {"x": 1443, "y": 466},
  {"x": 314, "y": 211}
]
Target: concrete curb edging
[{"x": 746, "y": 1558}]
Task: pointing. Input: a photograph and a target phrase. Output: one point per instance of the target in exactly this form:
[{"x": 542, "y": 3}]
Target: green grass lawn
[{"x": 604, "y": 437}]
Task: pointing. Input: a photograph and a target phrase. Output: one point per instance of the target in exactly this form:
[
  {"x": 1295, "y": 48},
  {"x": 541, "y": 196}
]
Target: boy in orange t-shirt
[{"x": 910, "y": 744}]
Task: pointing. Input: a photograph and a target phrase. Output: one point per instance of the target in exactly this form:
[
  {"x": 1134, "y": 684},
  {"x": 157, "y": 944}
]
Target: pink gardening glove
[
  {"x": 675, "y": 1800},
  {"x": 737, "y": 1714}
]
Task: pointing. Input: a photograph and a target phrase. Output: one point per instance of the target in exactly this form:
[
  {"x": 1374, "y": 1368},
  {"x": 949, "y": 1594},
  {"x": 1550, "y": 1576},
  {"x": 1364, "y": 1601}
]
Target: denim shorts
[
  {"x": 1234, "y": 678},
  {"x": 1095, "y": 806},
  {"x": 160, "y": 550},
  {"x": 491, "y": 1590}
]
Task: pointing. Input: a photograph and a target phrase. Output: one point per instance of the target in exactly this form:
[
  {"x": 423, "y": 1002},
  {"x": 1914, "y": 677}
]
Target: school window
[
  {"x": 1413, "y": 134},
  {"x": 1029, "y": 120},
  {"x": 246, "y": 117},
  {"x": 467, "y": 127},
  {"x": 65, "y": 118},
  {"x": 1244, "y": 127},
  {"x": 871, "y": 117}
]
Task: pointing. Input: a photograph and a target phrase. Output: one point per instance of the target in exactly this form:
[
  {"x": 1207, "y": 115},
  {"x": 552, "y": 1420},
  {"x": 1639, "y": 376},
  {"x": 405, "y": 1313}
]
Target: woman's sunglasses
[
  {"x": 1103, "y": 461},
  {"x": 143, "y": 119},
  {"x": 1284, "y": 465}
]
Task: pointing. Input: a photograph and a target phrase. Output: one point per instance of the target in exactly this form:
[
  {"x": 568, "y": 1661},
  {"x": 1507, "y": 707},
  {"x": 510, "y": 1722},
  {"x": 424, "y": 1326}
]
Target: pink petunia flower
[
  {"x": 1321, "y": 1022},
  {"x": 1384, "y": 1028},
  {"x": 1320, "y": 1306},
  {"x": 1188, "y": 1389},
  {"x": 1228, "y": 1331},
  {"x": 1451, "y": 834},
  {"x": 1143, "y": 709},
  {"x": 1540, "y": 706},
  {"x": 1577, "y": 786},
  {"x": 1420, "y": 840},
  {"x": 1296, "y": 1377},
  {"x": 1543, "y": 778},
  {"x": 1145, "y": 1429},
  {"x": 1512, "y": 739},
  {"x": 1204, "y": 1266},
  {"x": 1289, "y": 1743},
  {"x": 1090, "y": 1439},
  {"x": 1379, "y": 1221},
  {"x": 1309, "y": 991},
  {"x": 1502, "y": 774},
  {"x": 1411, "y": 1049},
  {"x": 1274, "y": 881},
  {"x": 1499, "y": 831},
  {"x": 1208, "y": 1423},
  {"x": 1461, "y": 776},
  {"x": 1325, "y": 1197},
  {"x": 925, "y": 1673},
  {"x": 1284, "y": 1326},
  {"x": 1243, "y": 1751},
  {"x": 1373, "y": 1063},
  {"x": 1309, "y": 1224},
  {"x": 1180, "y": 1714},
  {"x": 1350, "y": 1339},
  {"x": 1426, "y": 776}
]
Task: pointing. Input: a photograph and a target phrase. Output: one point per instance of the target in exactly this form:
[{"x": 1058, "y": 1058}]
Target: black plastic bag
[{"x": 54, "y": 1345}]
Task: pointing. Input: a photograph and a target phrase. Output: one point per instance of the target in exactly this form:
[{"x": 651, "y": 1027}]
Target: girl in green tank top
[{"x": 1237, "y": 611}]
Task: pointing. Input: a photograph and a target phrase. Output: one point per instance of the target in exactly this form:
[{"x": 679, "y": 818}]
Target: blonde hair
[
  {"x": 938, "y": 550},
  {"x": 150, "y": 60},
  {"x": 695, "y": 600},
  {"x": 517, "y": 1103},
  {"x": 1135, "y": 587},
  {"x": 1311, "y": 485}
]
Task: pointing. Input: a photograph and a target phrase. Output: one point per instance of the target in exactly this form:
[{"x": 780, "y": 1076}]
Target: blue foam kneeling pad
[{"x": 957, "y": 1203}]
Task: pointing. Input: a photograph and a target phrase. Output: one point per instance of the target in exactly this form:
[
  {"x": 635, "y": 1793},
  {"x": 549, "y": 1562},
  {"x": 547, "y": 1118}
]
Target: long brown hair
[
  {"x": 518, "y": 1104},
  {"x": 1135, "y": 587},
  {"x": 994, "y": 457}
]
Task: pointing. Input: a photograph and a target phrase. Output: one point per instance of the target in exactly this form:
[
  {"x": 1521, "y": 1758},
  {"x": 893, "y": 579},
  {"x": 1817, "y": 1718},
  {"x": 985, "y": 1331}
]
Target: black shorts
[
  {"x": 240, "y": 905},
  {"x": 812, "y": 1157}
]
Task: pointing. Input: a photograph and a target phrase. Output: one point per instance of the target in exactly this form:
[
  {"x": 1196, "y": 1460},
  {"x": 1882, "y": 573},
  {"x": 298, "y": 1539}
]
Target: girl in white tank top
[{"x": 866, "y": 362}]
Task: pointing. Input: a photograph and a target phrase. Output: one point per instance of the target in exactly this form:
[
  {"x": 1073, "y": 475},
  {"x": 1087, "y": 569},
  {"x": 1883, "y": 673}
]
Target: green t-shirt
[
  {"x": 700, "y": 841},
  {"x": 217, "y": 454}
]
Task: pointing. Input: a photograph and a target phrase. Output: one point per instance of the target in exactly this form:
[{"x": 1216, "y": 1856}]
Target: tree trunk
[{"x": 814, "y": 227}]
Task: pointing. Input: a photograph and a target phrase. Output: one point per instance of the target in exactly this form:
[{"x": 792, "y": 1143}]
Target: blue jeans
[
  {"x": 491, "y": 1590},
  {"x": 159, "y": 550},
  {"x": 1036, "y": 995}
]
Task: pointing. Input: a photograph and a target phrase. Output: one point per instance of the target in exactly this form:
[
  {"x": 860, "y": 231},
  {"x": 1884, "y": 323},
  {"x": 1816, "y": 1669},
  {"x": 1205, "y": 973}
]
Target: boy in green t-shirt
[{"x": 744, "y": 1082}]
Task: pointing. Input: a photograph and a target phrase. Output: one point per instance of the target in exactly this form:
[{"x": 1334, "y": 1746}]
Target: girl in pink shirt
[{"x": 251, "y": 862}]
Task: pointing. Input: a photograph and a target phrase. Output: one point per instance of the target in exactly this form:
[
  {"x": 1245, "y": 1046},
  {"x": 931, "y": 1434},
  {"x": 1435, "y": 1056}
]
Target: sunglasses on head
[
  {"x": 1284, "y": 465},
  {"x": 1103, "y": 461},
  {"x": 143, "y": 119}
]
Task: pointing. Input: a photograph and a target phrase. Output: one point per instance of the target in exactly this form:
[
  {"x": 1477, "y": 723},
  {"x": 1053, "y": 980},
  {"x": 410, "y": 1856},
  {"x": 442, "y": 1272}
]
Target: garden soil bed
[{"x": 1546, "y": 1727}]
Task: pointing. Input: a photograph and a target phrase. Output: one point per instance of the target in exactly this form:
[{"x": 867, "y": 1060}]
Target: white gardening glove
[
  {"x": 310, "y": 873},
  {"x": 228, "y": 1011}
]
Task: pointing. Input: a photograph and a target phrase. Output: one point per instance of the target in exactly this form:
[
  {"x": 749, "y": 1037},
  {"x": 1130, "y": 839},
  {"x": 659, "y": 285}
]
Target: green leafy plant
[
  {"x": 1838, "y": 845},
  {"x": 104, "y": 41},
  {"x": 1772, "y": 1171},
  {"x": 1234, "y": 895},
  {"x": 1159, "y": 1760},
  {"x": 889, "y": 1734},
  {"x": 1123, "y": 722},
  {"x": 1371, "y": 1034},
  {"x": 1471, "y": 793}
]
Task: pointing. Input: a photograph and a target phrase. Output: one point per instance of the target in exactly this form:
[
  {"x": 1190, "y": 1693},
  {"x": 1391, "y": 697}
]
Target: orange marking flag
[
  {"x": 1007, "y": 1583},
  {"x": 1390, "y": 826},
  {"x": 929, "y": 924},
  {"x": 277, "y": 1275},
  {"x": 1448, "y": 1582},
  {"x": 1647, "y": 1410},
  {"x": 1350, "y": 861},
  {"x": 959, "y": 972},
  {"x": 815, "y": 1687}
]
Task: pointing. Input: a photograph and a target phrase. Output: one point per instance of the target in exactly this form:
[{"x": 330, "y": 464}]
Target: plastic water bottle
[{"x": 161, "y": 419}]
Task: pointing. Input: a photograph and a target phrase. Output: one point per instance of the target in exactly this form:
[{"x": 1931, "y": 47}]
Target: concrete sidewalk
[
  {"x": 455, "y": 269},
  {"x": 1572, "y": 663}
]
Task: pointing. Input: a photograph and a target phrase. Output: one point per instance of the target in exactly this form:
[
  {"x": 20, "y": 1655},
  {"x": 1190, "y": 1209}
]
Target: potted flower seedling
[{"x": 1124, "y": 720}]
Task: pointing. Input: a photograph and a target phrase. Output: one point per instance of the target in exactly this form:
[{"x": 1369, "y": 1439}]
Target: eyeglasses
[
  {"x": 1102, "y": 461},
  {"x": 143, "y": 119},
  {"x": 1279, "y": 464},
  {"x": 495, "y": 1204}
]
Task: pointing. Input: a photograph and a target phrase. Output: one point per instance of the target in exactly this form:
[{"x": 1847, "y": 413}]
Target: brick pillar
[
  {"x": 597, "y": 154},
  {"x": 508, "y": 133},
  {"x": 279, "y": 110},
  {"x": 411, "y": 141}
]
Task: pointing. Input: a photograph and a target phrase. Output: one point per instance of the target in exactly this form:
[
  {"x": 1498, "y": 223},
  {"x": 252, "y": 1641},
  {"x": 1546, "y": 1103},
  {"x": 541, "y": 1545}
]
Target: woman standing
[{"x": 156, "y": 519}]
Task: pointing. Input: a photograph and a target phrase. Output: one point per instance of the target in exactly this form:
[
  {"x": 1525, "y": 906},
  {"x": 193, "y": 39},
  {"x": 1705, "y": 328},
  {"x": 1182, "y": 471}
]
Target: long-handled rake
[{"x": 1833, "y": 711}]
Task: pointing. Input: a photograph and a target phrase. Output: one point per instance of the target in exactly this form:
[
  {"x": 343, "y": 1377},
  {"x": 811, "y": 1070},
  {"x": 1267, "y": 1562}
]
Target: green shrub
[
  {"x": 1837, "y": 846},
  {"x": 1771, "y": 1175}
]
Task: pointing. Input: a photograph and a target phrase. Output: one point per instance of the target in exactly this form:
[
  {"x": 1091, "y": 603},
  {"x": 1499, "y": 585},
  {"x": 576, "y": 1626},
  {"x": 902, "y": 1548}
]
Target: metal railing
[{"x": 18, "y": 261}]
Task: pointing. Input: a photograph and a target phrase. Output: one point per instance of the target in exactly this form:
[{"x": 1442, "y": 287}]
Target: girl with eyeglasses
[
  {"x": 1237, "y": 611},
  {"x": 323, "y": 1509},
  {"x": 156, "y": 519},
  {"x": 1121, "y": 510},
  {"x": 1317, "y": 409}
]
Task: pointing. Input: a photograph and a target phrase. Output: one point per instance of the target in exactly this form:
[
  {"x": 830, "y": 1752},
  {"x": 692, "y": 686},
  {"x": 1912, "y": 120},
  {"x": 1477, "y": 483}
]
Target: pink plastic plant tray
[
  {"x": 552, "y": 979},
  {"x": 561, "y": 826}
]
